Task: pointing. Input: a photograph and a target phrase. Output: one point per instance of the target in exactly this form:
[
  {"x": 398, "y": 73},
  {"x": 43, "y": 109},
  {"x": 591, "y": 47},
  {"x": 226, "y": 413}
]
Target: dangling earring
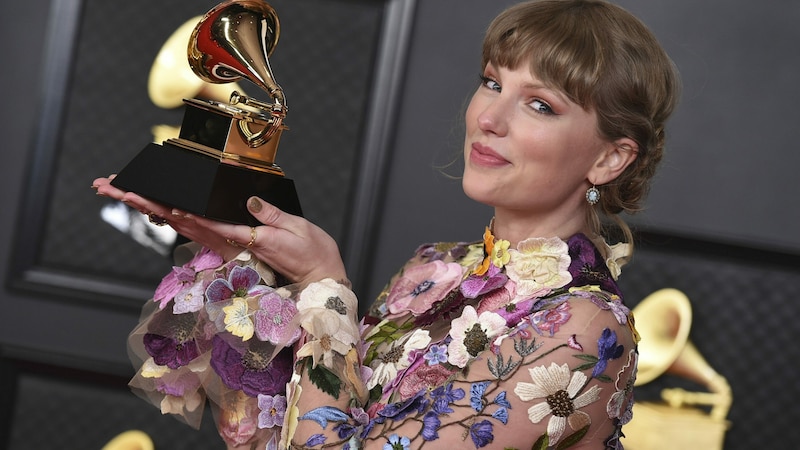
[{"x": 592, "y": 195}]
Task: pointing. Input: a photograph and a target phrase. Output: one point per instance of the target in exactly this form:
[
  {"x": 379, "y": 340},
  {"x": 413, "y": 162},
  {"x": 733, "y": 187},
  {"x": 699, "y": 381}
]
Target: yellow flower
[
  {"x": 539, "y": 265},
  {"x": 500, "y": 254},
  {"x": 237, "y": 319},
  {"x": 293, "y": 392}
]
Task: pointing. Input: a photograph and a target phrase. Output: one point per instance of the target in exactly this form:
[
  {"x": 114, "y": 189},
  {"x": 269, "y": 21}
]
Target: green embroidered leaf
[
  {"x": 573, "y": 439},
  {"x": 604, "y": 378},
  {"x": 325, "y": 380},
  {"x": 542, "y": 443},
  {"x": 584, "y": 367},
  {"x": 523, "y": 349},
  {"x": 590, "y": 358},
  {"x": 502, "y": 369}
]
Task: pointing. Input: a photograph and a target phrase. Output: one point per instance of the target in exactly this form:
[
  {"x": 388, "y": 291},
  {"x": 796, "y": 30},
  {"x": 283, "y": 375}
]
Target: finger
[{"x": 271, "y": 215}]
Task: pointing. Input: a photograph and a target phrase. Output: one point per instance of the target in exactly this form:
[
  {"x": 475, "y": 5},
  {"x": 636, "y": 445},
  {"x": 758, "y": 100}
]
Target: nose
[{"x": 493, "y": 116}]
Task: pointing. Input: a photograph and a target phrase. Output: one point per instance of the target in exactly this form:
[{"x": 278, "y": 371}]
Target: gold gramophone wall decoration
[
  {"x": 224, "y": 152},
  {"x": 684, "y": 419}
]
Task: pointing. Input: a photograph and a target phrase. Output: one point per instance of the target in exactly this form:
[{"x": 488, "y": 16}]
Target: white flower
[
  {"x": 394, "y": 356},
  {"x": 560, "y": 392},
  {"x": 539, "y": 265},
  {"x": 472, "y": 333},
  {"x": 326, "y": 310}
]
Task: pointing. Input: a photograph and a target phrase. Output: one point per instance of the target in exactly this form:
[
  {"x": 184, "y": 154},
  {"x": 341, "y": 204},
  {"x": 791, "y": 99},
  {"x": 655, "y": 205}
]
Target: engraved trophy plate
[{"x": 225, "y": 152}]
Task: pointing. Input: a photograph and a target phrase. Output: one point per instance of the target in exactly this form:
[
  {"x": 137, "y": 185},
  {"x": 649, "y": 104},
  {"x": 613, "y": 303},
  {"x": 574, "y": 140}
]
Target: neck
[{"x": 515, "y": 226}]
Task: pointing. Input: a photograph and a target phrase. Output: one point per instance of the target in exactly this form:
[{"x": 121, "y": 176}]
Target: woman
[{"x": 518, "y": 340}]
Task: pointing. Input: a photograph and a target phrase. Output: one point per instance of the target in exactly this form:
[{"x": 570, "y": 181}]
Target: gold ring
[
  {"x": 232, "y": 242},
  {"x": 156, "y": 220},
  {"x": 253, "y": 236}
]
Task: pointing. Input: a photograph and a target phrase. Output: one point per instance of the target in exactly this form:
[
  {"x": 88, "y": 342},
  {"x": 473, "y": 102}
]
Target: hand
[{"x": 293, "y": 246}]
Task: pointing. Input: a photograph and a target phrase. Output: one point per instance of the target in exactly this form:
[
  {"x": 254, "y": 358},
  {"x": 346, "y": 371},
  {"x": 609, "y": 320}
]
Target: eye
[
  {"x": 490, "y": 83},
  {"x": 541, "y": 107}
]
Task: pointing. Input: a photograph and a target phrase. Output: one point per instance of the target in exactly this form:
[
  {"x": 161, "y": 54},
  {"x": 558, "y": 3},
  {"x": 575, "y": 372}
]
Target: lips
[{"x": 485, "y": 156}]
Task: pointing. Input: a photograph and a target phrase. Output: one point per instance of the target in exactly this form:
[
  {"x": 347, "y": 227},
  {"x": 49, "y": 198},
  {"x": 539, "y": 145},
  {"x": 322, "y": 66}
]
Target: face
[{"x": 528, "y": 148}]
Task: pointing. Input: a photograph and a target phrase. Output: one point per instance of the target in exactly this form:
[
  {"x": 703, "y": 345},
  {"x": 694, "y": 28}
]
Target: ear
[{"x": 612, "y": 161}]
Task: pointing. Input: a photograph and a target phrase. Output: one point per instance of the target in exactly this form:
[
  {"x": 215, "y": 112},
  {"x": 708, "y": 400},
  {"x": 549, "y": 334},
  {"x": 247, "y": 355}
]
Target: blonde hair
[{"x": 606, "y": 60}]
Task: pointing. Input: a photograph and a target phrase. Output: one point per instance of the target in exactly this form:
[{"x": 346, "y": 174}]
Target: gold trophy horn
[
  {"x": 225, "y": 151},
  {"x": 663, "y": 321}
]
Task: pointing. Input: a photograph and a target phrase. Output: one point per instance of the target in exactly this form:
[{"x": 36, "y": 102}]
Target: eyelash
[{"x": 548, "y": 110}]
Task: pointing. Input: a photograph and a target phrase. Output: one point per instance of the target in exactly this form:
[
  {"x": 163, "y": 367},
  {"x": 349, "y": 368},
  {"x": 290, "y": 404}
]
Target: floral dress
[{"x": 471, "y": 344}]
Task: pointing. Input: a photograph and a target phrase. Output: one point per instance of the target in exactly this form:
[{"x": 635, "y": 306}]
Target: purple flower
[
  {"x": 443, "y": 396},
  {"x": 436, "y": 354},
  {"x": 241, "y": 282},
  {"x": 481, "y": 433},
  {"x": 430, "y": 426},
  {"x": 273, "y": 409},
  {"x": 501, "y": 414},
  {"x": 607, "y": 349},
  {"x": 315, "y": 439},
  {"x": 254, "y": 370},
  {"x": 587, "y": 266},
  {"x": 169, "y": 339},
  {"x": 273, "y": 319},
  {"x": 476, "y": 285},
  {"x": 179, "y": 277},
  {"x": 398, "y": 411}
]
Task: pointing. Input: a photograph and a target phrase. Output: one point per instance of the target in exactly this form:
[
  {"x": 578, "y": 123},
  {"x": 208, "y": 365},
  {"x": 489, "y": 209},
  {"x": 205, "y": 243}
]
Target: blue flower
[
  {"x": 501, "y": 414},
  {"x": 430, "y": 426},
  {"x": 315, "y": 439},
  {"x": 481, "y": 433},
  {"x": 443, "y": 396},
  {"x": 397, "y": 443},
  {"x": 501, "y": 400},
  {"x": 607, "y": 349},
  {"x": 436, "y": 354},
  {"x": 476, "y": 395},
  {"x": 399, "y": 411}
]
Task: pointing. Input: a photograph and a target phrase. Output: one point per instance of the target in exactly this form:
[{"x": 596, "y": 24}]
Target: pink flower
[
  {"x": 180, "y": 278},
  {"x": 550, "y": 320},
  {"x": 421, "y": 286},
  {"x": 423, "y": 376},
  {"x": 274, "y": 319}
]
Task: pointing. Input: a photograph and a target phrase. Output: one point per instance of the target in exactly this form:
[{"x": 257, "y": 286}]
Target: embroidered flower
[
  {"x": 420, "y": 286},
  {"x": 436, "y": 354},
  {"x": 394, "y": 356},
  {"x": 237, "y": 319},
  {"x": 488, "y": 248},
  {"x": 623, "y": 396},
  {"x": 607, "y": 349},
  {"x": 500, "y": 255},
  {"x": 190, "y": 299},
  {"x": 430, "y": 426},
  {"x": 236, "y": 423},
  {"x": 327, "y": 311},
  {"x": 563, "y": 398},
  {"x": 181, "y": 392},
  {"x": 397, "y": 443},
  {"x": 422, "y": 376},
  {"x": 550, "y": 320},
  {"x": 242, "y": 282},
  {"x": 539, "y": 265},
  {"x": 443, "y": 250},
  {"x": 273, "y": 409},
  {"x": 252, "y": 369},
  {"x": 180, "y": 278},
  {"x": 293, "y": 393},
  {"x": 481, "y": 433},
  {"x": 476, "y": 285},
  {"x": 444, "y": 396},
  {"x": 472, "y": 333},
  {"x": 274, "y": 318},
  {"x": 170, "y": 339}
]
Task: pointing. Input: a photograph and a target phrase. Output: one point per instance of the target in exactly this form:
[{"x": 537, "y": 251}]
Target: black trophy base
[{"x": 203, "y": 185}]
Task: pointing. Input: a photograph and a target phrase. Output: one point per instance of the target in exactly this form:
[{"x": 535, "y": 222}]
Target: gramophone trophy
[{"x": 225, "y": 152}]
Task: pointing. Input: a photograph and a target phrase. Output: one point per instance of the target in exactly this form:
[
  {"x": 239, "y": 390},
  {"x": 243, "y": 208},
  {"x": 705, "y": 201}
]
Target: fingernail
[{"x": 254, "y": 204}]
